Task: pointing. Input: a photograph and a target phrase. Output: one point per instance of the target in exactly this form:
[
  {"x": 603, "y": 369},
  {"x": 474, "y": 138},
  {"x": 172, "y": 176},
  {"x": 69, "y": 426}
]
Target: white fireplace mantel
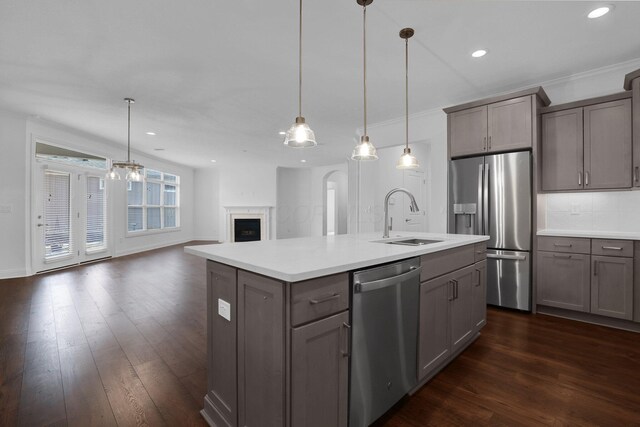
[{"x": 263, "y": 213}]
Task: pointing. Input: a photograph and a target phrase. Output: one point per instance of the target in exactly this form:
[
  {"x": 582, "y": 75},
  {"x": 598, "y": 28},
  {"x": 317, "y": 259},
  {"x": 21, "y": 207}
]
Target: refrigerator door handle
[
  {"x": 485, "y": 200},
  {"x": 509, "y": 257},
  {"x": 480, "y": 210}
]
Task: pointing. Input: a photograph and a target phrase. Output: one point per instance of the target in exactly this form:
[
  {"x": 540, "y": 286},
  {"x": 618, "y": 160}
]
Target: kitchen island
[{"x": 279, "y": 320}]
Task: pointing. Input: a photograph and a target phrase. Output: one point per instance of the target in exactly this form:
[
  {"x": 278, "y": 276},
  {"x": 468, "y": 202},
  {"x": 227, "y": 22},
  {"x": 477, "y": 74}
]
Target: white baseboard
[
  {"x": 211, "y": 238},
  {"x": 13, "y": 273},
  {"x": 151, "y": 247}
]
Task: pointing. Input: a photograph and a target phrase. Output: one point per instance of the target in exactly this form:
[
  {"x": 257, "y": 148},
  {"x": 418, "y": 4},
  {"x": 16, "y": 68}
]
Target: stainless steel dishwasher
[{"x": 384, "y": 338}]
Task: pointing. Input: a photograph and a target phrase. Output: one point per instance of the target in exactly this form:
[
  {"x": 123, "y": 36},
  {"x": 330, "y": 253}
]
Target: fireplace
[
  {"x": 248, "y": 223},
  {"x": 246, "y": 229}
]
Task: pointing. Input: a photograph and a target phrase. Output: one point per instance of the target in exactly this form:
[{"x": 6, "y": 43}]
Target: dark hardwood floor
[{"x": 123, "y": 342}]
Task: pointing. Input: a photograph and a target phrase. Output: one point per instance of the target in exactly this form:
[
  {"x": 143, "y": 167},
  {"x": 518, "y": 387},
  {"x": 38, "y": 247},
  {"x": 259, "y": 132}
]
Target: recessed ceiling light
[
  {"x": 213, "y": 161},
  {"x": 479, "y": 53},
  {"x": 151, "y": 133},
  {"x": 598, "y": 12},
  {"x": 158, "y": 149},
  {"x": 303, "y": 161},
  {"x": 282, "y": 132}
]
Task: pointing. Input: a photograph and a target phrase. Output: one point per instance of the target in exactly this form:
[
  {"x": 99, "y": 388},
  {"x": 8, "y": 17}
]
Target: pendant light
[
  {"x": 133, "y": 168},
  {"x": 365, "y": 149},
  {"x": 300, "y": 134},
  {"x": 407, "y": 160}
]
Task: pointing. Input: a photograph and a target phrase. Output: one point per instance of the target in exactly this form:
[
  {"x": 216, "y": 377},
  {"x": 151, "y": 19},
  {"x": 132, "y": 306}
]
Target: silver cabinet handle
[
  {"x": 450, "y": 290},
  {"x": 455, "y": 289},
  {"x": 613, "y": 248},
  {"x": 508, "y": 257},
  {"x": 562, "y": 256},
  {"x": 389, "y": 281},
  {"x": 636, "y": 172},
  {"x": 489, "y": 142},
  {"x": 595, "y": 268},
  {"x": 563, "y": 245},
  {"x": 586, "y": 178},
  {"x": 325, "y": 299},
  {"x": 484, "y": 144},
  {"x": 347, "y": 327},
  {"x": 479, "y": 282},
  {"x": 579, "y": 178}
]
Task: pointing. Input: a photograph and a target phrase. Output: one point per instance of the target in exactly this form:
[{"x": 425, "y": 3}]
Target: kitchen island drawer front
[
  {"x": 480, "y": 251},
  {"x": 318, "y": 298},
  {"x": 573, "y": 245},
  {"x": 439, "y": 263},
  {"x": 622, "y": 248}
]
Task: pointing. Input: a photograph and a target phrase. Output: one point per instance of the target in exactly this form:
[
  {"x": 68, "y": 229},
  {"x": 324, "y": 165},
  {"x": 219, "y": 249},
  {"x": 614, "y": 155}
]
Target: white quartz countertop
[
  {"x": 293, "y": 260},
  {"x": 623, "y": 235}
]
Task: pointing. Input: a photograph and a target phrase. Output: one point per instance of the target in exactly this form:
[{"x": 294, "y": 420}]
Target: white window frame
[{"x": 162, "y": 206}]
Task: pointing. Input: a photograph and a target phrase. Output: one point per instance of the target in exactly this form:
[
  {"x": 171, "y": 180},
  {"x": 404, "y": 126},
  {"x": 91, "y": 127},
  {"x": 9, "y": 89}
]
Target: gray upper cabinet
[
  {"x": 632, "y": 83},
  {"x": 564, "y": 280},
  {"x": 495, "y": 127},
  {"x": 612, "y": 286},
  {"x": 562, "y": 150},
  {"x": 587, "y": 145},
  {"x": 320, "y": 373},
  {"x": 607, "y": 145},
  {"x": 509, "y": 124},
  {"x": 468, "y": 131}
]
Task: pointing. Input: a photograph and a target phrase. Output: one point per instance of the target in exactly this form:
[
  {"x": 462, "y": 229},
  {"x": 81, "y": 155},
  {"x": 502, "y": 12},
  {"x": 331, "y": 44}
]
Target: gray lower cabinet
[
  {"x": 635, "y": 85},
  {"x": 612, "y": 287},
  {"x": 261, "y": 348},
  {"x": 452, "y": 311},
  {"x": 564, "y": 280},
  {"x": 478, "y": 297},
  {"x": 221, "y": 405},
  {"x": 277, "y": 352},
  {"x": 636, "y": 282},
  {"x": 320, "y": 373}
]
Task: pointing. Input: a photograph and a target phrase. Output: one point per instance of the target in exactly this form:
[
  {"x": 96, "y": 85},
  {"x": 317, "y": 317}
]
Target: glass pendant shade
[
  {"x": 300, "y": 135},
  {"x": 134, "y": 175},
  {"x": 407, "y": 160},
  {"x": 365, "y": 150},
  {"x": 113, "y": 174}
]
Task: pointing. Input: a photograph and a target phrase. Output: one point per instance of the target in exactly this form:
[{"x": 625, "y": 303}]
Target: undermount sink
[{"x": 411, "y": 242}]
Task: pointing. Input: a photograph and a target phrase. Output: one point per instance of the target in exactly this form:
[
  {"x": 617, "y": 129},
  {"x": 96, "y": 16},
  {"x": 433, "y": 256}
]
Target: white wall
[
  {"x": 14, "y": 248},
  {"x": 300, "y": 199},
  {"x": 17, "y": 136},
  {"x": 206, "y": 217},
  {"x": 248, "y": 183}
]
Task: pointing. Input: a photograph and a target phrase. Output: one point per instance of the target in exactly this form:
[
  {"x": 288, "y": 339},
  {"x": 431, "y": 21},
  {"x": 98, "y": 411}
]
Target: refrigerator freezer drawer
[{"x": 509, "y": 279}]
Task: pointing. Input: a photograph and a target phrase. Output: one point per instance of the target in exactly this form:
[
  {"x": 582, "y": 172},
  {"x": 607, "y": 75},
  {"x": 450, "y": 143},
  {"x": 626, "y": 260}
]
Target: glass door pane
[
  {"x": 96, "y": 215},
  {"x": 57, "y": 215}
]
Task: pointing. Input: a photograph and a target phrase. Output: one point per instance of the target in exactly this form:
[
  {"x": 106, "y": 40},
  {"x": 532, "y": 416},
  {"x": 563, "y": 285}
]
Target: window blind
[
  {"x": 57, "y": 214},
  {"x": 96, "y": 217}
]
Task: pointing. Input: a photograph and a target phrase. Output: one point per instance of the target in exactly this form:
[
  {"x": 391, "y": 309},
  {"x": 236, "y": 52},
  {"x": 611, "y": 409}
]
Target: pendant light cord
[
  {"x": 300, "y": 65},
  {"x": 129, "y": 131},
  {"x": 364, "y": 50},
  {"x": 406, "y": 90}
]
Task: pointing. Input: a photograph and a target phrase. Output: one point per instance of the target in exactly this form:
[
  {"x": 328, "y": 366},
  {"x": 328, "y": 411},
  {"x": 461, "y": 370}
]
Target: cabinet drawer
[
  {"x": 439, "y": 263},
  {"x": 564, "y": 244},
  {"x": 318, "y": 298},
  {"x": 480, "y": 251},
  {"x": 612, "y": 247}
]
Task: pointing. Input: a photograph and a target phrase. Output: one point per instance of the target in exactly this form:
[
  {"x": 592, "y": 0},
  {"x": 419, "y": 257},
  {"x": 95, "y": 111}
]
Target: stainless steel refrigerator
[{"x": 491, "y": 195}]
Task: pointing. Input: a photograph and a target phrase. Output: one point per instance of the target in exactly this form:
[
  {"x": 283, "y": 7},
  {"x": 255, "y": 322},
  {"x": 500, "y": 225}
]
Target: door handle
[
  {"x": 347, "y": 328},
  {"x": 389, "y": 281},
  {"x": 480, "y": 210},
  {"x": 41, "y": 225},
  {"x": 586, "y": 178},
  {"x": 485, "y": 202},
  {"x": 613, "y": 248}
]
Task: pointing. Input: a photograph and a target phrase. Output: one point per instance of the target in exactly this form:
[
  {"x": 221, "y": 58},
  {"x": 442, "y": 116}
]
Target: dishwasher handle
[{"x": 389, "y": 281}]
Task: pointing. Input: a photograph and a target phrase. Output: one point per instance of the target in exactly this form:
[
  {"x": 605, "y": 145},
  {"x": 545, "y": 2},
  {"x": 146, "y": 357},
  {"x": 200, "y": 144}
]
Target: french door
[{"x": 70, "y": 213}]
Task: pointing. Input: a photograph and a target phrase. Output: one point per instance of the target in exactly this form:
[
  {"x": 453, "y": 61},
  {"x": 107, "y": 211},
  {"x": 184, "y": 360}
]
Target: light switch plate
[{"x": 224, "y": 309}]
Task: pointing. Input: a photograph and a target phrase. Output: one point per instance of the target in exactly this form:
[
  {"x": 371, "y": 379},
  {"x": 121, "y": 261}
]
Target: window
[{"x": 154, "y": 203}]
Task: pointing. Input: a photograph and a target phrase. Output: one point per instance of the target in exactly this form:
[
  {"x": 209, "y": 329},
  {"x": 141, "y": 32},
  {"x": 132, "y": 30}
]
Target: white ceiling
[{"x": 214, "y": 78}]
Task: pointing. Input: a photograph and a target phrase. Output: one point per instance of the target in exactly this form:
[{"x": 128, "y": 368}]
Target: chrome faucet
[{"x": 413, "y": 206}]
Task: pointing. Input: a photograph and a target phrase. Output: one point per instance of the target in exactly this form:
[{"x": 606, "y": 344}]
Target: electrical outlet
[
  {"x": 224, "y": 309},
  {"x": 575, "y": 209}
]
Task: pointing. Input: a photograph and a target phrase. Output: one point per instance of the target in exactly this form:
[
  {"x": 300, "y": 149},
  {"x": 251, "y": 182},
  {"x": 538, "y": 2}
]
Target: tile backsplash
[{"x": 606, "y": 211}]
